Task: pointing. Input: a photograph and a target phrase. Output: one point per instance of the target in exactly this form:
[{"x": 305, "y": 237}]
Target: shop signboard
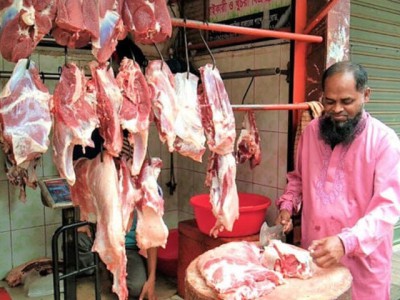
[{"x": 267, "y": 14}]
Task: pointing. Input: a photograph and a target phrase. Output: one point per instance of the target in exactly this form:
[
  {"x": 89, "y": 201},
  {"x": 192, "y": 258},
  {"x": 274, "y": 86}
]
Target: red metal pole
[
  {"x": 321, "y": 14},
  {"x": 245, "y": 107},
  {"x": 246, "y": 30}
]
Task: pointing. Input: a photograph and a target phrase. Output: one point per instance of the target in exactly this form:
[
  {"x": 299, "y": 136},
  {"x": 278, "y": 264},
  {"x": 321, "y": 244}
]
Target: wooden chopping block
[{"x": 326, "y": 284}]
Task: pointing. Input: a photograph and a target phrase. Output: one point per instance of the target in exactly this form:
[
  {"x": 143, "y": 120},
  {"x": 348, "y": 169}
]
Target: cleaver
[{"x": 271, "y": 233}]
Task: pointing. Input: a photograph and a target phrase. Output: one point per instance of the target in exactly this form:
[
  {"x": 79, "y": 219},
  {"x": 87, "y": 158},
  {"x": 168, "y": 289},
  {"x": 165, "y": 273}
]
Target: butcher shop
[{"x": 199, "y": 150}]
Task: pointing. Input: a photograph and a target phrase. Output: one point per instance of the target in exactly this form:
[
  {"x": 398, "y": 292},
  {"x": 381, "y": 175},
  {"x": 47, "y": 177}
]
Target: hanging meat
[
  {"x": 96, "y": 193},
  {"x": 25, "y": 123},
  {"x": 189, "y": 131},
  {"x": 111, "y": 29},
  {"x": 217, "y": 115},
  {"x": 76, "y": 23},
  {"x": 109, "y": 103},
  {"x": 151, "y": 230},
  {"x": 149, "y": 20},
  {"x": 74, "y": 118},
  {"x": 248, "y": 144},
  {"x": 234, "y": 271},
  {"x": 23, "y": 25},
  {"x": 221, "y": 174},
  {"x": 161, "y": 82},
  {"x": 135, "y": 111}
]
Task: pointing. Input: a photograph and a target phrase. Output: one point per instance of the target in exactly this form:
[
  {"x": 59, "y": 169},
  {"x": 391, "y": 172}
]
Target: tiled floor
[{"x": 166, "y": 287}]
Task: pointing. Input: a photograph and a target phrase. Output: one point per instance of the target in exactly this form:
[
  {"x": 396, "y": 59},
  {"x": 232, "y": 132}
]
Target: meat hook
[
  {"x": 65, "y": 55},
  {"x": 186, "y": 49},
  {"x": 28, "y": 62},
  {"x": 247, "y": 90},
  {"x": 208, "y": 48},
  {"x": 159, "y": 53}
]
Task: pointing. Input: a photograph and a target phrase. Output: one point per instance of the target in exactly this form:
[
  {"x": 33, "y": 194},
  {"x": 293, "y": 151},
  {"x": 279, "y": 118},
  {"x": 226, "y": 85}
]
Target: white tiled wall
[{"x": 26, "y": 229}]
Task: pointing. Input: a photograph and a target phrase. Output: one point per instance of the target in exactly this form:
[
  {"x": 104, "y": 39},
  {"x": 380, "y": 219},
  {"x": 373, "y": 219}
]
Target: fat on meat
[
  {"x": 97, "y": 194},
  {"x": 289, "y": 260},
  {"x": 109, "y": 103},
  {"x": 151, "y": 230},
  {"x": 23, "y": 25},
  {"x": 111, "y": 29},
  {"x": 25, "y": 123},
  {"x": 221, "y": 174},
  {"x": 76, "y": 23},
  {"x": 248, "y": 144},
  {"x": 234, "y": 270},
  {"x": 161, "y": 82},
  {"x": 217, "y": 115},
  {"x": 148, "y": 20},
  {"x": 74, "y": 118},
  {"x": 135, "y": 111},
  {"x": 189, "y": 130}
]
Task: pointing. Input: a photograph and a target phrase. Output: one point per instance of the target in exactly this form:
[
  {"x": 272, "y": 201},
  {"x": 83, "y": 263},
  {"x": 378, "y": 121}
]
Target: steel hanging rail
[
  {"x": 246, "y": 30},
  {"x": 246, "y": 107}
]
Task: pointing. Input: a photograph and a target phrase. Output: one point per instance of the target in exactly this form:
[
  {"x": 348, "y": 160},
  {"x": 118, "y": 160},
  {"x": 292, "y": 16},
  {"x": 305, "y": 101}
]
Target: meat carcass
[
  {"x": 149, "y": 20},
  {"x": 248, "y": 144},
  {"x": 23, "y": 25},
  {"x": 74, "y": 118},
  {"x": 217, "y": 115},
  {"x": 109, "y": 103},
  {"x": 189, "y": 131},
  {"x": 111, "y": 29},
  {"x": 234, "y": 271},
  {"x": 76, "y": 23},
  {"x": 161, "y": 82},
  {"x": 290, "y": 261},
  {"x": 151, "y": 230},
  {"x": 135, "y": 111},
  {"x": 96, "y": 193},
  {"x": 25, "y": 123},
  {"x": 221, "y": 174}
]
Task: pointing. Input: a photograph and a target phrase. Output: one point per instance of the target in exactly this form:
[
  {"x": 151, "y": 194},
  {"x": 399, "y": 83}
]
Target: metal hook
[
  {"x": 186, "y": 49},
  {"x": 208, "y": 48},
  {"x": 159, "y": 53},
  {"x": 42, "y": 76},
  {"x": 28, "y": 62}
]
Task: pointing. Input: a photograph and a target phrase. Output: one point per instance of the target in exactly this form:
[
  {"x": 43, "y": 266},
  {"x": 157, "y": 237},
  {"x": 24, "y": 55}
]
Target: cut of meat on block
[
  {"x": 326, "y": 283},
  {"x": 109, "y": 102},
  {"x": 234, "y": 271},
  {"x": 164, "y": 102},
  {"x": 96, "y": 192},
  {"x": 149, "y": 20},
  {"x": 248, "y": 144},
  {"x": 135, "y": 111},
  {"x": 111, "y": 29},
  {"x": 25, "y": 123},
  {"x": 23, "y": 25},
  {"x": 151, "y": 230},
  {"x": 217, "y": 115},
  {"x": 291, "y": 261},
  {"x": 74, "y": 118},
  {"x": 77, "y": 22},
  {"x": 221, "y": 174},
  {"x": 190, "y": 136}
]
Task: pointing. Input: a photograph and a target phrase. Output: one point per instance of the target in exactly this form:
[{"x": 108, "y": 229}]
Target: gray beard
[{"x": 333, "y": 133}]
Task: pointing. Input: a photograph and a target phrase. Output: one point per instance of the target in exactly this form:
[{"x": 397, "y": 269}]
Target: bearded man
[{"x": 347, "y": 182}]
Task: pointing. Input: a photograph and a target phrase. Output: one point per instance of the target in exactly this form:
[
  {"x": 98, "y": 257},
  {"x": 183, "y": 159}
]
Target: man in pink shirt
[{"x": 347, "y": 183}]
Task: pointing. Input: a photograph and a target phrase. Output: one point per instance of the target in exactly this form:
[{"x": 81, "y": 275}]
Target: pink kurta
[{"x": 352, "y": 191}]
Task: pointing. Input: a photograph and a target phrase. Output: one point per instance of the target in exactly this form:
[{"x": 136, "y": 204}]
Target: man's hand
[
  {"x": 327, "y": 252},
  {"x": 285, "y": 219}
]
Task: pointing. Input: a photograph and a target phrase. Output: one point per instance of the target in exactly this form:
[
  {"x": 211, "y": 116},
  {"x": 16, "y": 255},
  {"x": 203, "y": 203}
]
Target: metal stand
[{"x": 70, "y": 257}]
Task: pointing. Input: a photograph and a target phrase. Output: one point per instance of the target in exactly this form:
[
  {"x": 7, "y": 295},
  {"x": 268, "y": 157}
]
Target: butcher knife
[{"x": 271, "y": 233}]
